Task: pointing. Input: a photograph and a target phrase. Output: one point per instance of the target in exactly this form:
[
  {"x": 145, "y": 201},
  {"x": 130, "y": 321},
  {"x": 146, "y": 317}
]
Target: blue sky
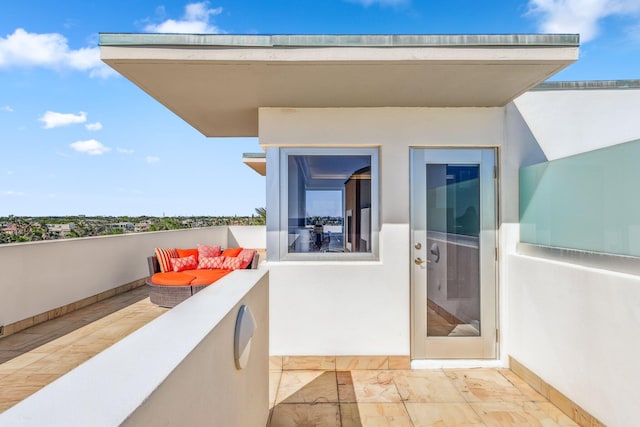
[{"x": 76, "y": 138}]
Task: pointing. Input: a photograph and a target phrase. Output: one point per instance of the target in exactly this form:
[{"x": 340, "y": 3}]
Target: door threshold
[{"x": 457, "y": 363}]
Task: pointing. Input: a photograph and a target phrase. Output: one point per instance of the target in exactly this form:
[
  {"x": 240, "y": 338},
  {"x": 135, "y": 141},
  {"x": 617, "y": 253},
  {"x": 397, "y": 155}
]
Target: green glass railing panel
[{"x": 589, "y": 201}]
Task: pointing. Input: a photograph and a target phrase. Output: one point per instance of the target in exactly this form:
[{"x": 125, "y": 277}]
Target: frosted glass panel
[{"x": 588, "y": 202}]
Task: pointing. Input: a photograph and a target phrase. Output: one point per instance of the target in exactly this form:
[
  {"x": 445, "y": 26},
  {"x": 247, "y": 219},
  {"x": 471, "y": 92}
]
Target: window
[{"x": 329, "y": 204}]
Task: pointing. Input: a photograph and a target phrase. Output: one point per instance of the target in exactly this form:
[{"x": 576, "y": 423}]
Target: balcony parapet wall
[
  {"x": 40, "y": 279},
  {"x": 177, "y": 370}
]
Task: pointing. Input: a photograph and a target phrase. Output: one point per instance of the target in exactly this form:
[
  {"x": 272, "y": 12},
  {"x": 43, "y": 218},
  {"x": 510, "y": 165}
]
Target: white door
[{"x": 454, "y": 257}]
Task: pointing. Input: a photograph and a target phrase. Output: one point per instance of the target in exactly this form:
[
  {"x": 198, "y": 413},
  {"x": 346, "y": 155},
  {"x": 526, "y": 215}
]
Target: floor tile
[
  {"x": 374, "y": 415},
  {"x": 426, "y": 386},
  {"x": 274, "y": 383},
  {"x": 11, "y": 382},
  {"x": 20, "y": 341},
  {"x": 65, "y": 324},
  {"x": 307, "y": 387},
  {"x": 513, "y": 413},
  {"x": 90, "y": 344},
  {"x": 556, "y": 414},
  {"x": 57, "y": 363},
  {"x": 370, "y": 386},
  {"x": 443, "y": 415},
  {"x": 20, "y": 362},
  {"x": 117, "y": 331},
  {"x": 6, "y": 355},
  {"x": 17, "y": 387},
  {"x": 346, "y": 392},
  {"x": 51, "y": 349},
  {"x": 480, "y": 385},
  {"x": 297, "y": 415}
]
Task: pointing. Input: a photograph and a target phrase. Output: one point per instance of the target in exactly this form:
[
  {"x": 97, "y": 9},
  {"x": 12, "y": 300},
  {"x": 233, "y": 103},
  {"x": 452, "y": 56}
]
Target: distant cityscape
[{"x": 16, "y": 229}]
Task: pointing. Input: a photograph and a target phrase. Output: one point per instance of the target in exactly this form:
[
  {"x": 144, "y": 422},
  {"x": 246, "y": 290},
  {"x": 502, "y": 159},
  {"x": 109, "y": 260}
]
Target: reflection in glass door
[
  {"x": 453, "y": 222},
  {"x": 453, "y": 238}
]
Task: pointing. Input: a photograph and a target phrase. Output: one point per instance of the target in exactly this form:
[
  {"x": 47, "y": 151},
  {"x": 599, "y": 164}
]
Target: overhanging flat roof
[
  {"x": 256, "y": 161},
  {"x": 217, "y": 82}
]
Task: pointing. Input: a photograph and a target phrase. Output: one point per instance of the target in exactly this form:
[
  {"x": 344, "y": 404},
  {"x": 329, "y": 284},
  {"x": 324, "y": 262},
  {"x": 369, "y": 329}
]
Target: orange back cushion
[
  {"x": 183, "y": 253},
  {"x": 231, "y": 252}
]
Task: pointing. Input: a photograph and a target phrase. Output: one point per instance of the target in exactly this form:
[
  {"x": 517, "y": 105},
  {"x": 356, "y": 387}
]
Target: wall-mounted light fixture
[{"x": 245, "y": 327}]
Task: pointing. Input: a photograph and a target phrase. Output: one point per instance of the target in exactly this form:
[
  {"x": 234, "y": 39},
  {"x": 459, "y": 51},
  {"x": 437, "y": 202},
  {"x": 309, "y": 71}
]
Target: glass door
[{"x": 453, "y": 226}]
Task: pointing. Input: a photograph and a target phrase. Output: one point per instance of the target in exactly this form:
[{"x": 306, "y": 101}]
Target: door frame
[{"x": 486, "y": 345}]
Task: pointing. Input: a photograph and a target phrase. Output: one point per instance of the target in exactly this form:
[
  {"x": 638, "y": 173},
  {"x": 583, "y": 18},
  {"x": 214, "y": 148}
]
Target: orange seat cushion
[
  {"x": 206, "y": 277},
  {"x": 172, "y": 278}
]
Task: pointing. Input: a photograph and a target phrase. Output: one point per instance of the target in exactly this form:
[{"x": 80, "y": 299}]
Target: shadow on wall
[{"x": 247, "y": 236}]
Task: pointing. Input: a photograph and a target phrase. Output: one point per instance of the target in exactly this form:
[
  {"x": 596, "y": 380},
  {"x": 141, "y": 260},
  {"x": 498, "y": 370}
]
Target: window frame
[{"x": 284, "y": 254}]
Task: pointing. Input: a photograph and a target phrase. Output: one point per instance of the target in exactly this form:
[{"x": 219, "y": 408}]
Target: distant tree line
[{"x": 14, "y": 229}]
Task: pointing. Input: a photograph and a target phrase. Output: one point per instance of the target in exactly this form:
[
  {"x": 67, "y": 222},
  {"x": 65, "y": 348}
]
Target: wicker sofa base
[{"x": 168, "y": 296}]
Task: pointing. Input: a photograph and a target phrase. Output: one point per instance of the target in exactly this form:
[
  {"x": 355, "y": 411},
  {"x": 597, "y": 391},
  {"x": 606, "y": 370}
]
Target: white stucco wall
[
  {"x": 40, "y": 276},
  {"x": 343, "y": 308},
  {"x": 567, "y": 122},
  {"x": 577, "y": 328},
  {"x": 363, "y": 308}
]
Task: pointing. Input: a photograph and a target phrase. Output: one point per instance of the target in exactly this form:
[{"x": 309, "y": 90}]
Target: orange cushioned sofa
[{"x": 176, "y": 274}]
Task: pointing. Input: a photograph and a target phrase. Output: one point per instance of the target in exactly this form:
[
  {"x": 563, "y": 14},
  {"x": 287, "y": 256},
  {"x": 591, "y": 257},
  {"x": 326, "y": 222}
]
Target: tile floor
[
  {"x": 443, "y": 398},
  {"x": 32, "y": 358}
]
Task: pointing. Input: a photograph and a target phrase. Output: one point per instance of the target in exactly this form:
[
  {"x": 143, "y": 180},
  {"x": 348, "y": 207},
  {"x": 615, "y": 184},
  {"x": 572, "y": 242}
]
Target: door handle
[
  {"x": 420, "y": 261},
  {"x": 435, "y": 251}
]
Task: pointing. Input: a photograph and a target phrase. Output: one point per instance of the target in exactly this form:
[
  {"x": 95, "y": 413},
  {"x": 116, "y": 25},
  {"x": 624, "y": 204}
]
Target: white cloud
[
  {"x": 51, "y": 50},
  {"x": 91, "y": 147},
  {"x": 195, "y": 20},
  {"x": 7, "y": 109},
  {"x": 124, "y": 150},
  {"x": 152, "y": 159},
  {"x": 579, "y": 16},
  {"x": 12, "y": 193},
  {"x": 367, "y": 3},
  {"x": 93, "y": 126},
  {"x": 51, "y": 119}
]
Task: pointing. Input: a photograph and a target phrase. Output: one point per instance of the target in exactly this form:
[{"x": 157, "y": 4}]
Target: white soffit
[{"x": 216, "y": 83}]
